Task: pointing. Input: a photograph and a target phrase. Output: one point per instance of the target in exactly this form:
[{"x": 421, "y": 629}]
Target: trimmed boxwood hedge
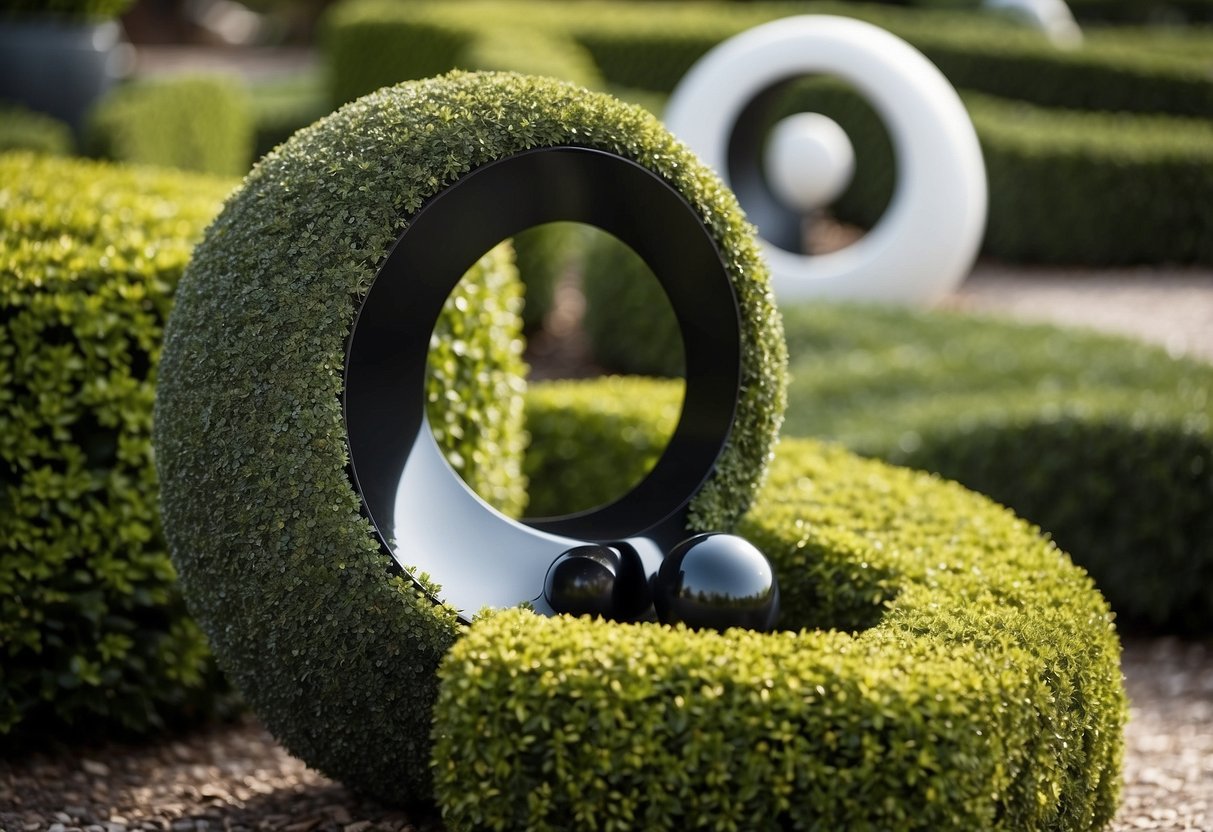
[
  {"x": 944, "y": 667},
  {"x": 93, "y": 632},
  {"x": 652, "y": 45},
  {"x": 335, "y": 651},
  {"x": 25, "y": 129},
  {"x": 200, "y": 123},
  {"x": 1105, "y": 443}
]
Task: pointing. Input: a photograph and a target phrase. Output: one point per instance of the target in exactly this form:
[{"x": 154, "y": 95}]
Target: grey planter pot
[{"x": 61, "y": 67}]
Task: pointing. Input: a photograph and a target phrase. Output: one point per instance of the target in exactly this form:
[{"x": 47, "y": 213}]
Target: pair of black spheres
[{"x": 711, "y": 581}]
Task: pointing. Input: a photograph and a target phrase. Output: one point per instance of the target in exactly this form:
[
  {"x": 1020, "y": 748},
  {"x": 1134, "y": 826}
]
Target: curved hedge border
[
  {"x": 93, "y": 631},
  {"x": 954, "y": 672},
  {"x": 201, "y": 123},
  {"x": 1105, "y": 443},
  {"x": 337, "y": 656}
]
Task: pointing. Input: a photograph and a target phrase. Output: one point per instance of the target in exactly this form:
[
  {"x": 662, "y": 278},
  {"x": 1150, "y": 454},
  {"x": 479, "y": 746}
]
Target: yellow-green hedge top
[{"x": 945, "y": 668}]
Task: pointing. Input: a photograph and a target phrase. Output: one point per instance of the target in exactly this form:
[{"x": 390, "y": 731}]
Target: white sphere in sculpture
[
  {"x": 929, "y": 236},
  {"x": 809, "y": 161}
]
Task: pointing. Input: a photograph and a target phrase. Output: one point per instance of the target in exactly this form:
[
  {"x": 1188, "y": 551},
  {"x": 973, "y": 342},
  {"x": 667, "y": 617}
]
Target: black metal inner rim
[
  {"x": 778, "y": 224},
  {"x": 386, "y": 353}
]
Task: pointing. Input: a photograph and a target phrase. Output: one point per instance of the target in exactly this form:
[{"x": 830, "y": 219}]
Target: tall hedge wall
[
  {"x": 93, "y": 631},
  {"x": 942, "y": 667}
]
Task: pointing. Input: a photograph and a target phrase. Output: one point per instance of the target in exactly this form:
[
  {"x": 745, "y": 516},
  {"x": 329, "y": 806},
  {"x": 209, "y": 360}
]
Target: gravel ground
[{"x": 235, "y": 777}]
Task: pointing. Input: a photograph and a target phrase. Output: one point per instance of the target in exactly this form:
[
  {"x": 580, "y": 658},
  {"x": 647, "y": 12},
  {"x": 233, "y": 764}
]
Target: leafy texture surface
[
  {"x": 943, "y": 666},
  {"x": 93, "y": 631},
  {"x": 337, "y": 656}
]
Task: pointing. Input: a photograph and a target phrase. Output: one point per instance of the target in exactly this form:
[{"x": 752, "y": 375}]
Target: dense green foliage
[
  {"x": 72, "y": 9},
  {"x": 280, "y": 566},
  {"x": 198, "y": 123},
  {"x": 24, "y": 129},
  {"x": 93, "y": 631},
  {"x": 651, "y": 46},
  {"x": 1105, "y": 443},
  {"x": 944, "y": 667},
  {"x": 628, "y": 318},
  {"x": 1143, "y": 11},
  {"x": 475, "y": 380},
  {"x": 591, "y": 442}
]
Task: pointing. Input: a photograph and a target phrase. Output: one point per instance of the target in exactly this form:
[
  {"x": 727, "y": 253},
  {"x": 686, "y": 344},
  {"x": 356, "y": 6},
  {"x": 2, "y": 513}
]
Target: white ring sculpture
[{"x": 928, "y": 238}]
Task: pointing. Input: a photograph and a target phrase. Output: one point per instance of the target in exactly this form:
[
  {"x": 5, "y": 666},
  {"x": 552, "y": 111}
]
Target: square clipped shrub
[{"x": 93, "y": 631}]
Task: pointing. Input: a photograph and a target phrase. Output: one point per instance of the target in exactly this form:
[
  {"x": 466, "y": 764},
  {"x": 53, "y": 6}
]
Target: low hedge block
[
  {"x": 943, "y": 667},
  {"x": 93, "y": 632},
  {"x": 336, "y": 652},
  {"x": 282, "y": 106},
  {"x": 198, "y": 123},
  {"x": 24, "y": 129}
]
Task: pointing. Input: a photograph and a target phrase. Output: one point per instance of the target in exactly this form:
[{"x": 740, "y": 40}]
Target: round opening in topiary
[{"x": 333, "y": 647}]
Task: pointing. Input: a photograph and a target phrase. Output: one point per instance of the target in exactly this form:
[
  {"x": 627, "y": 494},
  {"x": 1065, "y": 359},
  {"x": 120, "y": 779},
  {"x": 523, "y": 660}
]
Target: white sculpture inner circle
[
  {"x": 928, "y": 238},
  {"x": 809, "y": 161}
]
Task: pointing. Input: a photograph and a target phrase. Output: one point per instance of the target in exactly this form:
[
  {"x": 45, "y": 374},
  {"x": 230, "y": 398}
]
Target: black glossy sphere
[
  {"x": 581, "y": 581},
  {"x": 716, "y": 581}
]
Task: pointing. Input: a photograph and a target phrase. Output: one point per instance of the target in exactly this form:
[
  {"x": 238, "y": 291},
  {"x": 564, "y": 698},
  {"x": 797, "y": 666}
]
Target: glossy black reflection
[
  {"x": 778, "y": 224},
  {"x": 599, "y": 580},
  {"x": 716, "y": 581}
]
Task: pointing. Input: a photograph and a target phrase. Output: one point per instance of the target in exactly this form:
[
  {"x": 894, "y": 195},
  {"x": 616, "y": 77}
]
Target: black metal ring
[{"x": 388, "y": 344}]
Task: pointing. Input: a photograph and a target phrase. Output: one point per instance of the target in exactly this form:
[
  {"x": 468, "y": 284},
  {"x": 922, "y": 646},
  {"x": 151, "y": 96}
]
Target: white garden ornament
[{"x": 928, "y": 238}]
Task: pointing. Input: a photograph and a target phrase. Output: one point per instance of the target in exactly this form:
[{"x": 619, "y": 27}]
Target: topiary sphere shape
[{"x": 333, "y": 648}]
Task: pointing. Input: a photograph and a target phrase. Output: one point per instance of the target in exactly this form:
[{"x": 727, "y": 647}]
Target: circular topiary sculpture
[{"x": 335, "y": 649}]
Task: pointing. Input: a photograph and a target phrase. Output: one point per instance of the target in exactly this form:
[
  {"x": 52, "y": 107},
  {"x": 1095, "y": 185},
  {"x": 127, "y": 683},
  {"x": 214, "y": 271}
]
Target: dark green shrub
[
  {"x": 545, "y": 254},
  {"x": 1105, "y": 443},
  {"x": 93, "y": 632},
  {"x": 651, "y": 46},
  {"x": 23, "y": 129},
  {"x": 335, "y": 653},
  {"x": 955, "y": 672},
  {"x": 628, "y": 318},
  {"x": 1143, "y": 11},
  {"x": 194, "y": 123}
]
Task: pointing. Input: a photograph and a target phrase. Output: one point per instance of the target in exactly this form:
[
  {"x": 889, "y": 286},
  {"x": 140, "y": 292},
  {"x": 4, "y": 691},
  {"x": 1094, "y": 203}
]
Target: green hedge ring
[
  {"x": 335, "y": 652},
  {"x": 954, "y": 672}
]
